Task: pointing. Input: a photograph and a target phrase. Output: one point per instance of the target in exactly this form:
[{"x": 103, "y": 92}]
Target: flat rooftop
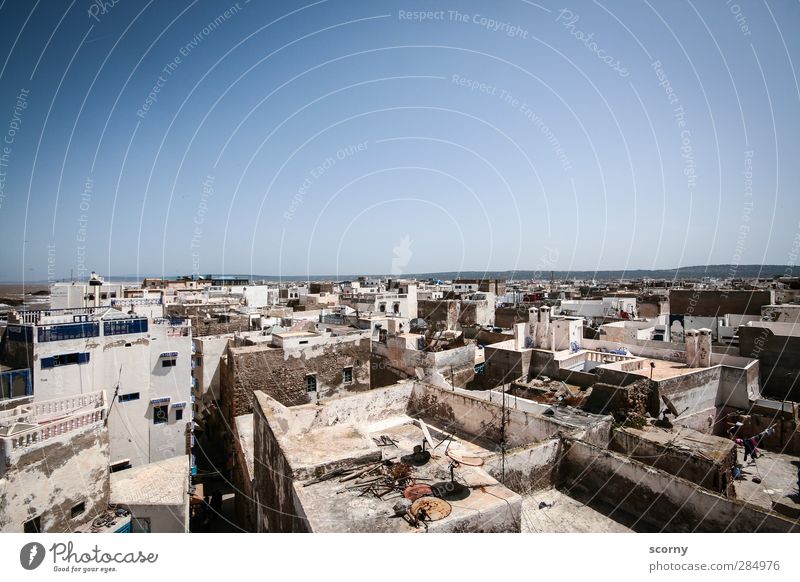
[
  {"x": 664, "y": 369},
  {"x": 161, "y": 483},
  {"x": 552, "y": 511},
  {"x": 335, "y": 505},
  {"x": 778, "y": 487}
]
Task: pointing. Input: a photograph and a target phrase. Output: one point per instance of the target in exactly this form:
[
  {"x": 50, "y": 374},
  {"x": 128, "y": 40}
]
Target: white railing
[
  {"x": 592, "y": 356},
  {"x": 35, "y": 436},
  {"x": 137, "y": 301},
  {"x": 61, "y": 406}
]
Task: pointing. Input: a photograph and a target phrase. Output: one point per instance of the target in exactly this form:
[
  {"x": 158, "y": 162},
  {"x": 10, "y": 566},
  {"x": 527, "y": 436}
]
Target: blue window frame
[
  {"x": 65, "y": 331},
  {"x": 128, "y": 397},
  {"x": 65, "y": 360},
  {"x": 125, "y": 326}
]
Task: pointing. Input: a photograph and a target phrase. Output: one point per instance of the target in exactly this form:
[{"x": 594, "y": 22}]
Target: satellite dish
[
  {"x": 463, "y": 459},
  {"x": 430, "y": 509},
  {"x": 671, "y": 407}
]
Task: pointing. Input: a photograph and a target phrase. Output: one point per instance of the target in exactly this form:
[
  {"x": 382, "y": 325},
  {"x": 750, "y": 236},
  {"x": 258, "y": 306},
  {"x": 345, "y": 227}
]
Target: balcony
[{"x": 30, "y": 425}]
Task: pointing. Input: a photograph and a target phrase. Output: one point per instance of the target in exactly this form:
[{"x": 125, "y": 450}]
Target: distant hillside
[{"x": 696, "y": 272}]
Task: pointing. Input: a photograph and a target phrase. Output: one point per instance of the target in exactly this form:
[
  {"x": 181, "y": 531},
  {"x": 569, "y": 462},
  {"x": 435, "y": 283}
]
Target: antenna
[{"x": 113, "y": 398}]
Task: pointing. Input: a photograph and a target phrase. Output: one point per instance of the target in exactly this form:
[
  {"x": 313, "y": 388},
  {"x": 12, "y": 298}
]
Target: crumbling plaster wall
[{"x": 50, "y": 479}]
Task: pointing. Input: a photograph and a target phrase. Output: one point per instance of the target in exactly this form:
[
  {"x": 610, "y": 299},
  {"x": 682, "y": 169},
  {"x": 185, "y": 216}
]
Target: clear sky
[{"x": 368, "y": 137}]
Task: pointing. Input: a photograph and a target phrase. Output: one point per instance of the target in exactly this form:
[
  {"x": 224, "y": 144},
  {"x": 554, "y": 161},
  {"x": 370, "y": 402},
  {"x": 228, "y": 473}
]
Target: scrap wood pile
[{"x": 379, "y": 479}]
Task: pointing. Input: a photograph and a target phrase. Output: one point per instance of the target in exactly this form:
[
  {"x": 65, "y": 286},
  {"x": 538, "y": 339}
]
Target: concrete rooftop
[{"x": 161, "y": 483}]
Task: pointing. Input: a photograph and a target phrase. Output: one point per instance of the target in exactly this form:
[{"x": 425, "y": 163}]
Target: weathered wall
[
  {"x": 50, "y": 479},
  {"x": 282, "y": 374},
  {"x": 506, "y": 317},
  {"x": 455, "y": 314},
  {"x": 462, "y": 412},
  {"x": 696, "y": 392},
  {"x": 527, "y": 468},
  {"x": 504, "y": 365},
  {"x": 275, "y": 501},
  {"x": 242, "y": 474},
  {"x": 717, "y": 303},
  {"x": 664, "y": 502},
  {"x": 779, "y": 361},
  {"x": 697, "y": 468}
]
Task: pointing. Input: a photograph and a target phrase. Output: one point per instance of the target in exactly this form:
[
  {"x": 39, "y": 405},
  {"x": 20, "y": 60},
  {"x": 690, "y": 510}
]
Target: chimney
[
  {"x": 704, "y": 348},
  {"x": 519, "y": 335},
  {"x": 691, "y": 347}
]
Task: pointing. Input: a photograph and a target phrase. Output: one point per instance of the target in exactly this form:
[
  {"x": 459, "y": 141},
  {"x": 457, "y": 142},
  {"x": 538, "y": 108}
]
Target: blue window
[
  {"x": 65, "y": 331},
  {"x": 128, "y": 397},
  {"x": 65, "y": 360},
  {"x": 125, "y": 326}
]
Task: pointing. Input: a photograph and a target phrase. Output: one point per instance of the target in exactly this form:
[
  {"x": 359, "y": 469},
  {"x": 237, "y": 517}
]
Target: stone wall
[{"x": 282, "y": 374}]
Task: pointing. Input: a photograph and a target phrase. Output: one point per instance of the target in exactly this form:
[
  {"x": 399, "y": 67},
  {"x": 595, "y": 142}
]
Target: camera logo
[{"x": 31, "y": 555}]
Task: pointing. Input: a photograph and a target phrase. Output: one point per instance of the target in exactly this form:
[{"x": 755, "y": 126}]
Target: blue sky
[{"x": 349, "y": 137}]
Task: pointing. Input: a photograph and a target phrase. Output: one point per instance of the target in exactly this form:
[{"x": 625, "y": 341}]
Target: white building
[
  {"x": 142, "y": 364},
  {"x": 93, "y": 293}
]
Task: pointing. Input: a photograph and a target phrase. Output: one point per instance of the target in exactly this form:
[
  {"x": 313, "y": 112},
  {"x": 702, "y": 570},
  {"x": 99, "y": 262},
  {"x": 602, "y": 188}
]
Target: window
[
  {"x": 348, "y": 375},
  {"x": 124, "y": 326},
  {"x": 311, "y": 383},
  {"x": 64, "y": 331},
  {"x": 33, "y": 525},
  {"x": 160, "y": 414},
  {"x": 303, "y": 342},
  {"x": 65, "y": 360},
  {"x": 168, "y": 363},
  {"x": 120, "y": 465},
  {"x": 78, "y": 509},
  {"x": 128, "y": 397},
  {"x": 382, "y": 308},
  {"x": 179, "y": 414}
]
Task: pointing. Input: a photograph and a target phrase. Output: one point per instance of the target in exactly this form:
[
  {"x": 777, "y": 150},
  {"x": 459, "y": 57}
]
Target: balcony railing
[
  {"x": 38, "y": 435},
  {"x": 58, "y": 407}
]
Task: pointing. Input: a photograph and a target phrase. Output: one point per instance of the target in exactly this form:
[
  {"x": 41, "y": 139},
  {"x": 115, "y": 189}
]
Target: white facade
[
  {"x": 402, "y": 304},
  {"x": 143, "y": 365},
  {"x": 79, "y": 295}
]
